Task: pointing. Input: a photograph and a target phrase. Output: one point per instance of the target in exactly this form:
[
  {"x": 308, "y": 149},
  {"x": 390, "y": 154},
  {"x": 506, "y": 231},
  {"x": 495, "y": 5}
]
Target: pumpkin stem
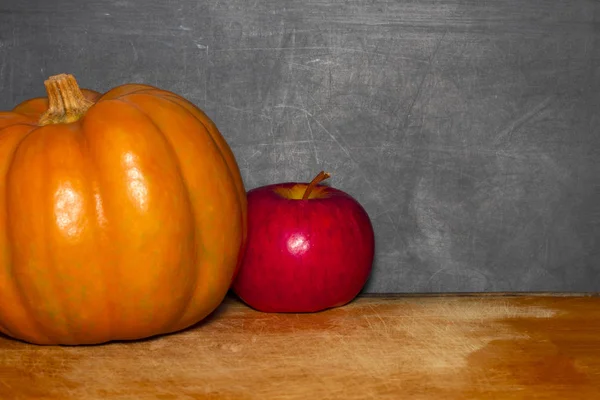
[
  {"x": 66, "y": 102},
  {"x": 319, "y": 178}
]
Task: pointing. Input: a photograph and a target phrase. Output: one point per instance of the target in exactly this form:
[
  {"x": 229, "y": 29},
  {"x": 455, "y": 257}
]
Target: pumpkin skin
[{"x": 125, "y": 223}]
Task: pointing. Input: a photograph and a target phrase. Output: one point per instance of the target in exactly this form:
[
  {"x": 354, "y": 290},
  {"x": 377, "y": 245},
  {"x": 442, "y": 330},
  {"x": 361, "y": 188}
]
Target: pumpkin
[{"x": 122, "y": 215}]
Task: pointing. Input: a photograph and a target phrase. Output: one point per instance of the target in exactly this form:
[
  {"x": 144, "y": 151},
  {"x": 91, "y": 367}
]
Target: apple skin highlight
[{"x": 304, "y": 255}]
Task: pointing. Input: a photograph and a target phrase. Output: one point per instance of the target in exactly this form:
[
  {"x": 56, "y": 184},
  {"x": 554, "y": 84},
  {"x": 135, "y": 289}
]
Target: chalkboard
[{"x": 469, "y": 130}]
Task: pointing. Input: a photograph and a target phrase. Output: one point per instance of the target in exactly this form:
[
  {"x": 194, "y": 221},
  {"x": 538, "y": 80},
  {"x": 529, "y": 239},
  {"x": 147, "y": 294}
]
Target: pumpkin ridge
[
  {"x": 135, "y": 88},
  {"x": 163, "y": 94},
  {"x": 218, "y": 150},
  {"x": 41, "y": 331},
  {"x": 173, "y": 99},
  {"x": 181, "y": 101},
  {"x": 49, "y": 254},
  {"x": 146, "y": 89},
  {"x": 168, "y": 96},
  {"x": 23, "y": 121},
  {"x": 4, "y": 115},
  {"x": 142, "y": 114},
  {"x": 18, "y": 108},
  {"x": 191, "y": 210},
  {"x": 96, "y": 189},
  {"x": 19, "y": 292},
  {"x": 32, "y": 128}
]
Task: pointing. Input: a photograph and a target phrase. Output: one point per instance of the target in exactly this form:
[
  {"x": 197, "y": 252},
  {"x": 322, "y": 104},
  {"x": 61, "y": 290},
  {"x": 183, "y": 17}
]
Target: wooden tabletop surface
[{"x": 433, "y": 347}]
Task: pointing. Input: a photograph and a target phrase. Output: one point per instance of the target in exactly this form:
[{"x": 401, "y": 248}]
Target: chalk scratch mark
[
  {"x": 314, "y": 101},
  {"x": 327, "y": 48},
  {"x": 343, "y": 147},
  {"x": 436, "y": 273},
  {"x": 242, "y": 110},
  {"x": 301, "y": 66},
  {"x": 395, "y": 227},
  {"x": 312, "y": 117},
  {"x": 285, "y": 143},
  {"x": 292, "y": 62},
  {"x": 422, "y": 82},
  {"x": 2, "y": 67},
  {"x": 312, "y": 140},
  {"x": 506, "y": 133},
  {"x": 385, "y": 211},
  {"x": 206, "y": 76},
  {"x": 134, "y": 50}
]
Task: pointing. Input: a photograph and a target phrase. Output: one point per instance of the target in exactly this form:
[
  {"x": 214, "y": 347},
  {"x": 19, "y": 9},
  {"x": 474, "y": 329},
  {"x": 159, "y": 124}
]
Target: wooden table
[{"x": 445, "y": 347}]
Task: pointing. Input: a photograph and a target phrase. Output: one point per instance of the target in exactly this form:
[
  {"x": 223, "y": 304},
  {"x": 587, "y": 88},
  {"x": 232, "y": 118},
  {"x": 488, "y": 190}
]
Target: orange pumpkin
[{"x": 122, "y": 215}]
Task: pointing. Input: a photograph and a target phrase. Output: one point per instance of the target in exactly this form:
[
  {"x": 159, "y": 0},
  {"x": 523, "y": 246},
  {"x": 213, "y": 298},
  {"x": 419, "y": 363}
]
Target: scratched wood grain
[{"x": 475, "y": 347}]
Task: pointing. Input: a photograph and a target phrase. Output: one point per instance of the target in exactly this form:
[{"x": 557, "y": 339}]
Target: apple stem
[{"x": 319, "y": 178}]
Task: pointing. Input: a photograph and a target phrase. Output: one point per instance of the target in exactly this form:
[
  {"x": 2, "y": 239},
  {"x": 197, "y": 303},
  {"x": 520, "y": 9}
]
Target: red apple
[{"x": 310, "y": 247}]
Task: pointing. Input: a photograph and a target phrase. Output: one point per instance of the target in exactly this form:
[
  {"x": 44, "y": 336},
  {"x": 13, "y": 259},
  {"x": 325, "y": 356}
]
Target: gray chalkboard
[{"x": 469, "y": 130}]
